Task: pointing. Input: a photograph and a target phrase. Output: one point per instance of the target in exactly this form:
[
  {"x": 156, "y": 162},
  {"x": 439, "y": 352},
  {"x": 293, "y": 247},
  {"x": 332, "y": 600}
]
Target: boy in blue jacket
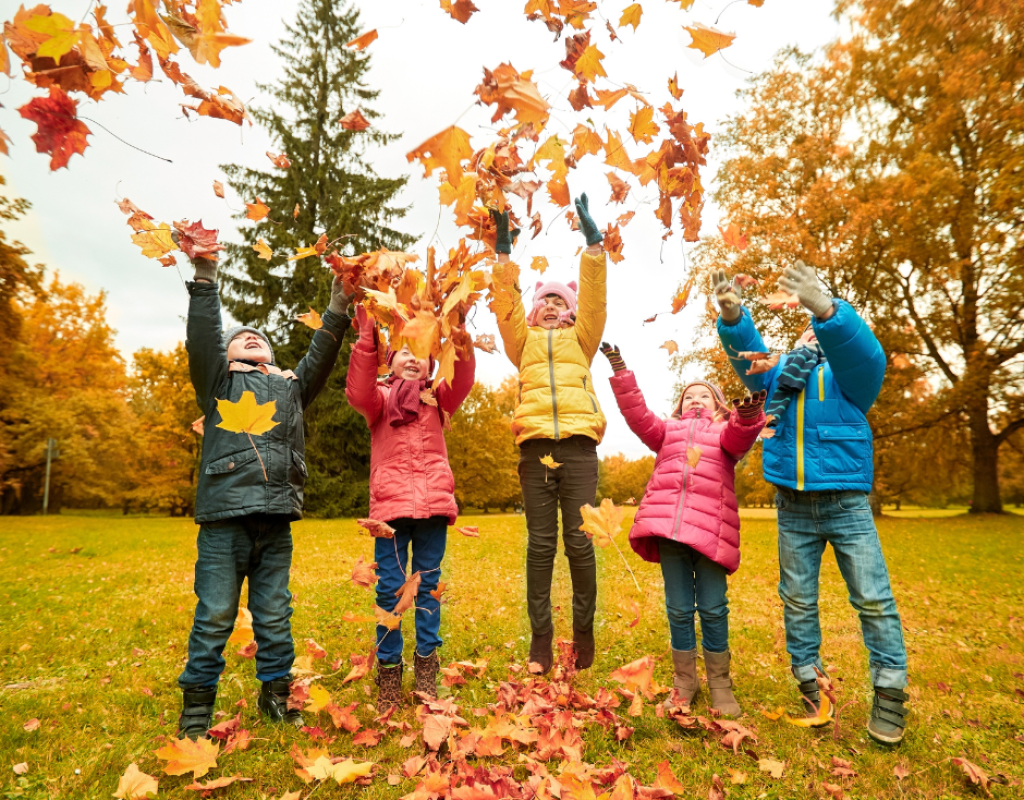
[{"x": 820, "y": 460}]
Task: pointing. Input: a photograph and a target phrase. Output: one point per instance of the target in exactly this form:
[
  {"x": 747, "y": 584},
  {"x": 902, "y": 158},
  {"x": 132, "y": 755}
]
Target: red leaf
[
  {"x": 60, "y": 134},
  {"x": 196, "y": 241}
]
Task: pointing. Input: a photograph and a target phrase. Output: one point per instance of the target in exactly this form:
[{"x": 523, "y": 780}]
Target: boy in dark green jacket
[{"x": 250, "y": 490}]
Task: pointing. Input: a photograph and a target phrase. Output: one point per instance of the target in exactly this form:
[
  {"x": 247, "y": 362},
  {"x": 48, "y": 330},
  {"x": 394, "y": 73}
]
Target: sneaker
[{"x": 888, "y": 716}]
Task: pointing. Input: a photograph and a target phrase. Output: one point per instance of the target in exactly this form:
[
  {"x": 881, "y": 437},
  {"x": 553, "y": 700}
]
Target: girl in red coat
[
  {"x": 411, "y": 488},
  {"x": 688, "y": 519}
]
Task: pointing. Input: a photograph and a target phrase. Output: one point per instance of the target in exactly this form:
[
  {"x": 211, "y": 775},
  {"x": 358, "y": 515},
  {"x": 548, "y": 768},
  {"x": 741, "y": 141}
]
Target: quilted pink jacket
[
  {"x": 409, "y": 471},
  {"x": 691, "y": 505}
]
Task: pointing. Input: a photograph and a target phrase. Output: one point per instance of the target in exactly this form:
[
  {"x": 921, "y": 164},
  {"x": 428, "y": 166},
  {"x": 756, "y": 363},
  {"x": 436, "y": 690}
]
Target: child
[
  {"x": 411, "y": 488},
  {"x": 688, "y": 518},
  {"x": 250, "y": 490},
  {"x": 558, "y": 416},
  {"x": 821, "y": 462}
]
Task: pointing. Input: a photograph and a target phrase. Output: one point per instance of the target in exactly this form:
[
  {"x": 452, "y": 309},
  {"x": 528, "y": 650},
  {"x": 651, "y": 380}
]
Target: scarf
[
  {"x": 404, "y": 401},
  {"x": 797, "y": 365}
]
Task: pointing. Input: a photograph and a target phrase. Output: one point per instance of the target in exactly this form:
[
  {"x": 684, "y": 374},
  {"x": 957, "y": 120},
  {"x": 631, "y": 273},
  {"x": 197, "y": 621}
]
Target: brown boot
[
  {"x": 426, "y": 670},
  {"x": 684, "y": 678},
  {"x": 583, "y": 642},
  {"x": 720, "y": 684},
  {"x": 389, "y": 685},
  {"x": 540, "y": 651}
]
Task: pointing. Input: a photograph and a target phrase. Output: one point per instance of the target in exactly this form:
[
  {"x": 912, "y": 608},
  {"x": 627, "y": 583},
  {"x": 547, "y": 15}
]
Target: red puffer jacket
[
  {"x": 409, "y": 471},
  {"x": 691, "y": 505}
]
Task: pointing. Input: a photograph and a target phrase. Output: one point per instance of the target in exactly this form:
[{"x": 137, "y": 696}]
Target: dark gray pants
[{"x": 545, "y": 490}]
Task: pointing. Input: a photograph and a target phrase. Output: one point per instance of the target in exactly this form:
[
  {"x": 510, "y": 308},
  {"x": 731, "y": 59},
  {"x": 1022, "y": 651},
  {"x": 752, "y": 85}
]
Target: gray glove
[
  {"x": 729, "y": 296},
  {"x": 802, "y": 281},
  {"x": 339, "y": 300}
]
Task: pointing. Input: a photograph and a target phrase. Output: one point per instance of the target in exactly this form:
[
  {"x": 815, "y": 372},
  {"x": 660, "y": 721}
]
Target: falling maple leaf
[
  {"x": 218, "y": 189},
  {"x": 776, "y": 301},
  {"x": 154, "y": 241},
  {"x": 436, "y": 593},
  {"x": 732, "y": 237},
  {"x": 246, "y": 415},
  {"x": 195, "y": 241},
  {"x": 745, "y": 281},
  {"x": 671, "y": 346},
  {"x": 708, "y": 39},
  {"x": 136, "y": 784},
  {"x": 60, "y": 133},
  {"x": 280, "y": 161},
  {"x": 758, "y": 366},
  {"x": 256, "y": 211},
  {"x": 354, "y": 121},
  {"x": 460, "y": 10},
  {"x": 637, "y": 674},
  {"x": 631, "y": 16},
  {"x": 446, "y": 150},
  {"x": 311, "y": 320},
  {"x": 361, "y": 664},
  {"x": 539, "y": 263},
  {"x": 364, "y": 41},
  {"x": 363, "y": 574},
  {"x": 263, "y": 250},
  {"x": 776, "y": 714},
  {"x": 295, "y": 213},
  {"x": 248, "y": 651},
  {"x": 376, "y": 528},
  {"x": 642, "y": 126},
  {"x": 486, "y": 342},
  {"x": 602, "y": 523},
  {"x": 588, "y": 66},
  {"x": 620, "y": 189},
  {"x": 673, "y": 86},
  {"x": 469, "y": 530},
  {"x": 549, "y": 462},
  {"x": 185, "y": 755},
  {"x": 304, "y": 252},
  {"x": 406, "y": 594}
]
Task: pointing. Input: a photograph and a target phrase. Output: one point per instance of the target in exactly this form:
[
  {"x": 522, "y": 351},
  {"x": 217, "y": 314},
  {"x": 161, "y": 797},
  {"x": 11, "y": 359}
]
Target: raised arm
[
  {"x": 361, "y": 388},
  {"x": 592, "y": 312},
  {"x": 745, "y": 423},
  {"x": 739, "y": 337},
  {"x": 204, "y": 341},
  {"x": 507, "y": 305},
  {"x": 315, "y": 367},
  {"x": 854, "y": 354},
  {"x": 641, "y": 420}
]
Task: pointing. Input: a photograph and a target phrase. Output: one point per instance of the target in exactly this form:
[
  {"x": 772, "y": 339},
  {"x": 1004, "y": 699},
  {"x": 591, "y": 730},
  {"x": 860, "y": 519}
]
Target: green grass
[{"x": 86, "y": 637}]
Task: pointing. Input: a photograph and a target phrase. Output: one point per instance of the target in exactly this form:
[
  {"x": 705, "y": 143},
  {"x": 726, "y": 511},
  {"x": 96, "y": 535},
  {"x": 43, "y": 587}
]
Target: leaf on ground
[
  {"x": 247, "y": 416},
  {"x": 469, "y": 530},
  {"x": 364, "y": 41},
  {"x": 363, "y": 574},
  {"x": 354, "y": 121},
  {"x": 900, "y": 771},
  {"x": 184, "y": 755},
  {"x": 133, "y": 784},
  {"x": 601, "y": 524},
  {"x": 256, "y": 211},
  {"x": 671, "y": 346},
  {"x": 31, "y": 725},
  {"x": 773, "y": 768},
  {"x": 217, "y": 783},
  {"x": 549, "y": 462},
  {"x": 833, "y": 790},
  {"x": 736, "y": 777},
  {"x": 222, "y": 730},
  {"x": 376, "y": 528},
  {"x": 368, "y": 738},
  {"x": 708, "y": 39},
  {"x": 435, "y": 730},
  {"x": 319, "y": 698},
  {"x": 344, "y": 718},
  {"x": 667, "y": 780},
  {"x": 346, "y": 771},
  {"x": 975, "y": 774}
]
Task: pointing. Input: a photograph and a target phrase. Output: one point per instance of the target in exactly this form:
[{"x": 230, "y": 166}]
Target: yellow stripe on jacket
[{"x": 556, "y": 390}]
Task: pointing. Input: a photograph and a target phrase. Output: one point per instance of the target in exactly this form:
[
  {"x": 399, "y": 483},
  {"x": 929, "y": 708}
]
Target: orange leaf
[
  {"x": 539, "y": 263},
  {"x": 448, "y": 150},
  {"x": 708, "y": 39},
  {"x": 135, "y": 784},
  {"x": 377, "y": 529},
  {"x": 667, "y": 780},
  {"x": 263, "y": 250},
  {"x": 549, "y": 462},
  {"x": 602, "y": 523},
  {"x": 631, "y": 16},
  {"x": 693, "y": 455},
  {"x": 974, "y": 774},
  {"x": 642, "y": 126},
  {"x": 469, "y": 530},
  {"x": 732, "y": 237},
  {"x": 510, "y": 91},
  {"x": 362, "y": 42},
  {"x": 257, "y": 211},
  {"x": 671, "y": 346},
  {"x": 637, "y": 674},
  {"x": 184, "y": 755},
  {"x": 280, "y": 161},
  {"x": 485, "y": 342},
  {"x": 218, "y": 189},
  {"x": 407, "y": 594},
  {"x": 779, "y": 300},
  {"x": 588, "y": 66},
  {"x": 673, "y": 86},
  {"x": 217, "y": 783},
  {"x": 295, "y": 213},
  {"x": 354, "y": 121},
  {"x": 620, "y": 189}
]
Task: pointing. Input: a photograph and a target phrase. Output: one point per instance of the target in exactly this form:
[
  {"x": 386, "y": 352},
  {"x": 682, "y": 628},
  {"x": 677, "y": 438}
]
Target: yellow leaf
[
  {"x": 773, "y": 768},
  {"x": 184, "y": 755},
  {"x": 693, "y": 455},
  {"x": 736, "y": 777},
  {"x": 588, "y": 66},
  {"x": 448, "y": 150},
  {"x": 257, "y": 210},
  {"x": 246, "y": 416},
  {"x": 631, "y": 16},
  {"x": 156, "y": 241},
  {"x": 135, "y": 783},
  {"x": 708, "y": 39},
  {"x": 642, "y": 126},
  {"x": 319, "y": 698},
  {"x": 549, "y": 462},
  {"x": 824, "y": 716},
  {"x": 311, "y": 320},
  {"x": 61, "y": 31},
  {"x": 263, "y": 249},
  {"x": 673, "y": 86},
  {"x": 303, "y": 252},
  {"x": 671, "y": 346},
  {"x": 362, "y": 42},
  {"x": 540, "y": 263},
  {"x": 776, "y": 714},
  {"x": 603, "y": 522},
  {"x": 667, "y": 780}
]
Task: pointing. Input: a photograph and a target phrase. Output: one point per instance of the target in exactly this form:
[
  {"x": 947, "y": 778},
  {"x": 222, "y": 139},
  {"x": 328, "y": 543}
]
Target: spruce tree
[{"x": 337, "y": 193}]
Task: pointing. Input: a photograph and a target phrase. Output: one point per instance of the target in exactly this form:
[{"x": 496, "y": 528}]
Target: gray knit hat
[{"x": 237, "y": 330}]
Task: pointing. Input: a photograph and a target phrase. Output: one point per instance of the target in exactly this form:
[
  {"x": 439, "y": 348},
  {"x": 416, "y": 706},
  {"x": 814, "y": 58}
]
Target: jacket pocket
[
  {"x": 299, "y": 462},
  {"x": 231, "y": 463},
  {"x": 845, "y": 449}
]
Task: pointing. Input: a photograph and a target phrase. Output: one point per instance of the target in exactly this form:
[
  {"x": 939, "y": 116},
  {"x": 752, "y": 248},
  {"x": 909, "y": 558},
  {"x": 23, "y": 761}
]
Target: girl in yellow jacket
[{"x": 558, "y": 415}]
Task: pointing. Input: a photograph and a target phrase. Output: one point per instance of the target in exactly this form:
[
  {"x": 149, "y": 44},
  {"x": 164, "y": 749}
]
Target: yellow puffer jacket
[{"x": 556, "y": 391}]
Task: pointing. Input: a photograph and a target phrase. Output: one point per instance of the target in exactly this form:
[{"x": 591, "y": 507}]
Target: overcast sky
[{"x": 425, "y": 65}]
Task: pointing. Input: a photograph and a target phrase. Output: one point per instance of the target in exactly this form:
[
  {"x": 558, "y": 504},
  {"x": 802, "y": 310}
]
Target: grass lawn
[{"x": 91, "y": 643}]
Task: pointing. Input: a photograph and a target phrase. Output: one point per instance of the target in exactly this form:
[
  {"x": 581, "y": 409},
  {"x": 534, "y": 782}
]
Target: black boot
[
  {"x": 583, "y": 642},
  {"x": 196, "y": 713},
  {"x": 540, "y": 651},
  {"x": 273, "y": 702}
]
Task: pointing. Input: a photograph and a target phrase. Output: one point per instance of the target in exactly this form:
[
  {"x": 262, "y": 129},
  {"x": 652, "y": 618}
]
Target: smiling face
[
  {"x": 247, "y": 346},
  {"x": 405, "y": 365},
  {"x": 549, "y": 315},
  {"x": 807, "y": 337},
  {"x": 697, "y": 396}
]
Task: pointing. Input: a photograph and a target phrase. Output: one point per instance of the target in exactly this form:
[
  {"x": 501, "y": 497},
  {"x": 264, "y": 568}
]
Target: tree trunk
[{"x": 985, "y": 453}]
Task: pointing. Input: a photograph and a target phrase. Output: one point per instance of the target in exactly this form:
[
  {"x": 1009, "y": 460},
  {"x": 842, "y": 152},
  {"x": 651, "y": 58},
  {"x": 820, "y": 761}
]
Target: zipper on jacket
[
  {"x": 593, "y": 402},
  {"x": 821, "y": 383},
  {"x": 686, "y": 470},
  {"x": 551, "y": 378},
  {"x": 800, "y": 439}
]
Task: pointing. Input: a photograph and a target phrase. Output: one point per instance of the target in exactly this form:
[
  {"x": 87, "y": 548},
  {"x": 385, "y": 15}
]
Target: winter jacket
[
  {"x": 823, "y": 441},
  {"x": 556, "y": 390},
  {"x": 231, "y": 476},
  {"x": 695, "y": 506},
  {"x": 409, "y": 472}
]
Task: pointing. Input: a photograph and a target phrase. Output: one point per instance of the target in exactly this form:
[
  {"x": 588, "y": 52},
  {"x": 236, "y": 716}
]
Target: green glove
[
  {"x": 587, "y": 225},
  {"x": 802, "y": 281},
  {"x": 729, "y": 296},
  {"x": 611, "y": 352},
  {"x": 505, "y": 237}
]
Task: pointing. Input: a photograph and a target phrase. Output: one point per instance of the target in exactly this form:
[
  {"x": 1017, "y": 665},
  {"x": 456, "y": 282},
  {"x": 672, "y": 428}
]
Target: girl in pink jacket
[
  {"x": 688, "y": 519},
  {"x": 411, "y": 488}
]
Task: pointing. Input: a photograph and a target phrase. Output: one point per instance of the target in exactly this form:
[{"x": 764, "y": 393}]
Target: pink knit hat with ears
[{"x": 566, "y": 292}]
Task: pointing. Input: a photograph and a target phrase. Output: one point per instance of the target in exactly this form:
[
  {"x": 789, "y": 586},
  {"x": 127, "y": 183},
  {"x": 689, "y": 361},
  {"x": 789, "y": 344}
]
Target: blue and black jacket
[{"x": 823, "y": 440}]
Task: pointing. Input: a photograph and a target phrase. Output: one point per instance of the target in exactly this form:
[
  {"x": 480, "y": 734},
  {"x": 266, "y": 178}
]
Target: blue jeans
[
  {"x": 257, "y": 547},
  {"x": 428, "y": 538},
  {"x": 694, "y": 582},
  {"x": 807, "y": 522}
]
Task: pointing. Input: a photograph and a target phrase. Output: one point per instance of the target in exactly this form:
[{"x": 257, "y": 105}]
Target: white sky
[{"x": 425, "y": 65}]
